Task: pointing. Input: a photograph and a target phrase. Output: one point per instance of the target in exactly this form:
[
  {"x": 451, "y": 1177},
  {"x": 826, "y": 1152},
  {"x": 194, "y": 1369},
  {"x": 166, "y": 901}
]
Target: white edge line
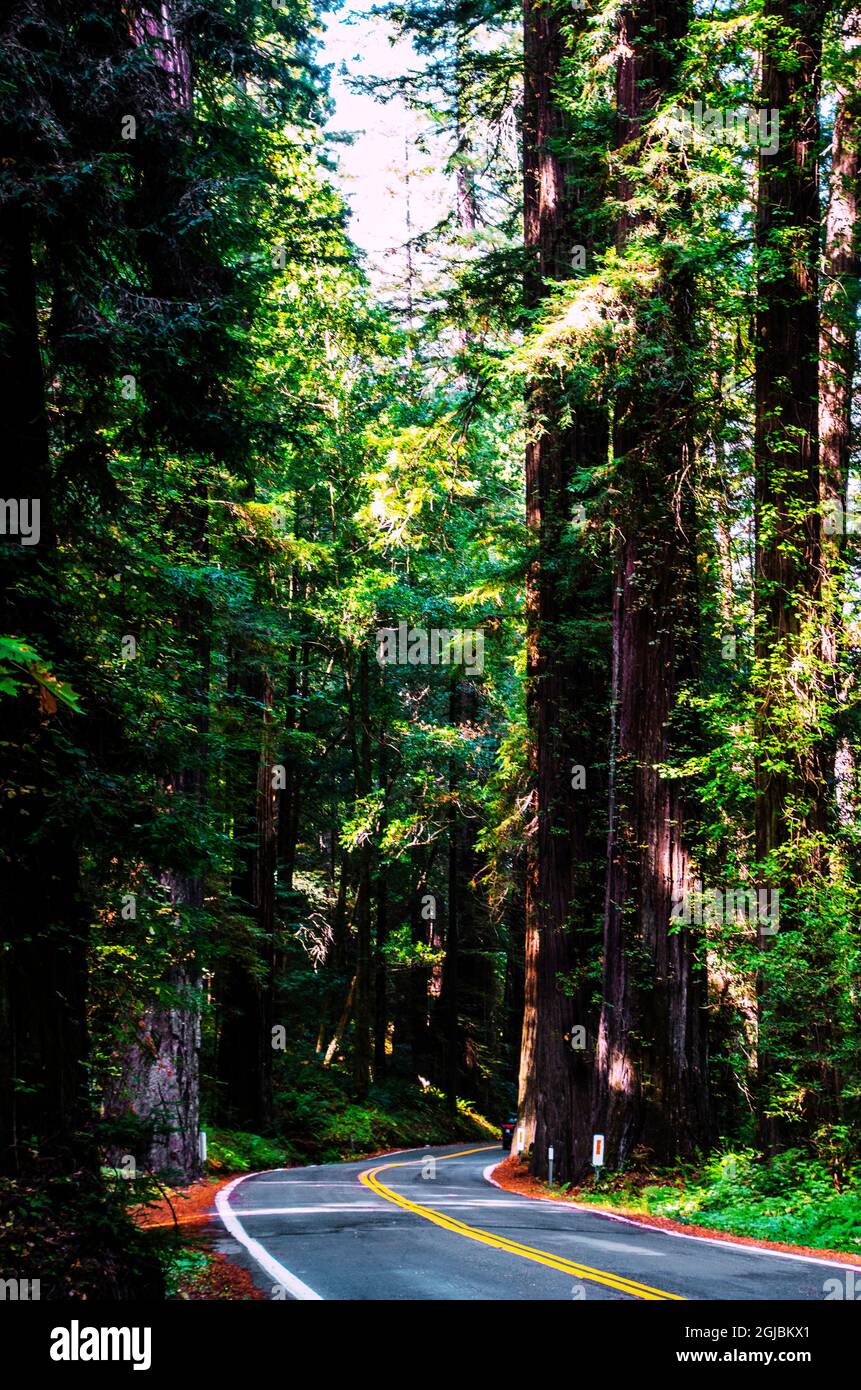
[
  {"x": 267, "y": 1262},
  {"x": 681, "y": 1235},
  {"x": 258, "y": 1252}
]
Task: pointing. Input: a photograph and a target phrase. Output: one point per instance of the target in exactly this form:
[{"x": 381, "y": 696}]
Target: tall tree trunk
[
  {"x": 159, "y": 1072},
  {"x": 546, "y": 240},
  {"x": 837, "y": 362},
  {"x": 651, "y": 1084},
  {"x": 160, "y": 1082},
  {"x": 562, "y": 439}
]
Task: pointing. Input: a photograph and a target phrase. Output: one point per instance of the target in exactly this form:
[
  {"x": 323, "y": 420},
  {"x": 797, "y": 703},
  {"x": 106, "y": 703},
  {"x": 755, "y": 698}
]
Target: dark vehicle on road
[{"x": 508, "y": 1131}]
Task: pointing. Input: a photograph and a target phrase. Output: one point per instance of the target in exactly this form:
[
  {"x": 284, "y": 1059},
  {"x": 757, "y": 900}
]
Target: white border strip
[
  {"x": 267, "y": 1262},
  {"x": 661, "y": 1230}
]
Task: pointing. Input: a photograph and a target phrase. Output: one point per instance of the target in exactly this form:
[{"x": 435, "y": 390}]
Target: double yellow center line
[{"x": 526, "y": 1252}]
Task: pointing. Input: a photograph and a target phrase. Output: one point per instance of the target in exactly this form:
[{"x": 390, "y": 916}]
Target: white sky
[{"x": 373, "y": 168}]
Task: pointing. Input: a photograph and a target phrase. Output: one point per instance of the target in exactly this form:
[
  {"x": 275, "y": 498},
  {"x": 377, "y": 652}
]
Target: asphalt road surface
[{"x": 429, "y": 1224}]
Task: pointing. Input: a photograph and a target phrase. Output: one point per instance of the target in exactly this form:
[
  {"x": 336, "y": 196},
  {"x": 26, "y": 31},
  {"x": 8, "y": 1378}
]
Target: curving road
[{"x": 429, "y": 1224}]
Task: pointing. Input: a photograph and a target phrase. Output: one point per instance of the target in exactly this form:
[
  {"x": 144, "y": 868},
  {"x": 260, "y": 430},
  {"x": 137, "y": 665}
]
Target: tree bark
[
  {"x": 563, "y": 438},
  {"x": 837, "y": 363},
  {"x": 546, "y": 238},
  {"x": 159, "y": 1073},
  {"x": 651, "y": 1083}
]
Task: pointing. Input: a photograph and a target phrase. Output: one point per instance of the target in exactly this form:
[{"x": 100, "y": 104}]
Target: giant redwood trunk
[
  {"x": 840, "y": 288},
  {"x": 651, "y": 1086},
  {"x": 160, "y": 1081},
  {"x": 545, "y": 237},
  {"x": 563, "y": 437},
  {"x": 158, "y": 1074},
  {"x": 837, "y": 362},
  {"x": 158, "y": 1077},
  {"x": 790, "y": 696}
]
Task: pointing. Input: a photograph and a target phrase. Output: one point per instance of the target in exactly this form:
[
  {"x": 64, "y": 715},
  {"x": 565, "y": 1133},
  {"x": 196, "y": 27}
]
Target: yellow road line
[{"x": 526, "y": 1252}]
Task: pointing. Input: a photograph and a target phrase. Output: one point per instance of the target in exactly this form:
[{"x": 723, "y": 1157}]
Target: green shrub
[
  {"x": 791, "y": 1198},
  {"x": 232, "y": 1151},
  {"x": 318, "y": 1120}
]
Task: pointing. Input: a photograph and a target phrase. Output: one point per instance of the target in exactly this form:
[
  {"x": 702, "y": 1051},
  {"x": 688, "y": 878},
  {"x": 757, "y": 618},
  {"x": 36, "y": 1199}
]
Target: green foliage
[
  {"x": 318, "y": 1121},
  {"x": 76, "y": 1238},
  {"x": 19, "y": 663},
  {"x": 234, "y": 1152},
  {"x": 180, "y": 1263},
  {"x": 793, "y": 1198}
]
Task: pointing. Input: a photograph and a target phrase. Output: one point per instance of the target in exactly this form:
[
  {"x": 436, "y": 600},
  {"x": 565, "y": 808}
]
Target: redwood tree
[
  {"x": 566, "y": 438},
  {"x": 651, "y": 1084}
]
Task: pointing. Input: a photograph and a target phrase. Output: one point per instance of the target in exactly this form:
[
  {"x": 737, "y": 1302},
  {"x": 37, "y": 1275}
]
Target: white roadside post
[
  {"x": 597, "y": 1153},
  {"x": 550, "y": 1165}
]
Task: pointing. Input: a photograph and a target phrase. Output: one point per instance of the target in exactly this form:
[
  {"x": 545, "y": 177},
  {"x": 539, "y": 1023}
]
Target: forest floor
[
  {"x": 194, "y": 1271},
  {"x": 636, "y": 1197}
]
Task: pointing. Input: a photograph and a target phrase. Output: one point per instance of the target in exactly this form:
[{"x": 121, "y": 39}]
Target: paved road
[{"x": 428, "y": 1224}]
